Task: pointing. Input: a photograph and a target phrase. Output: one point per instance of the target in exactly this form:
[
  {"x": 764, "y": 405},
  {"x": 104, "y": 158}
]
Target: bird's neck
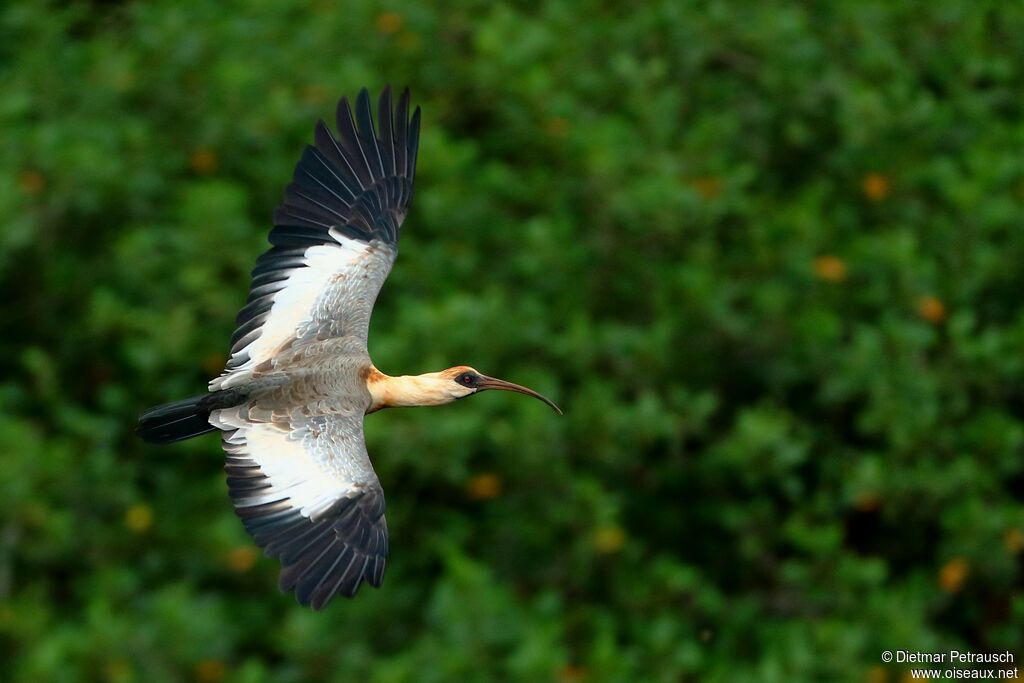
[{"x": 405, "y": 390}]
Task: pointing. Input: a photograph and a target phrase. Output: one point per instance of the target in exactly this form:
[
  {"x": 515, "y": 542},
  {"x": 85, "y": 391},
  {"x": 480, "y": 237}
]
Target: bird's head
[{"x": 462, "y": 381}]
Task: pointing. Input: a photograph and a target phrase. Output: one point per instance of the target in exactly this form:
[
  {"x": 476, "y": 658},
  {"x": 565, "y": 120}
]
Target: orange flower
[
  {"x": 931, "y": 309},
  {"x": 484, "y": 486},
  {"x": 138, "y": 517},
  {"x": 830, "y": 268},
  {"x": 213, "y": 363},
  {"x": 557, "y": 126},
  {"x": 118, "y": 671},
  {"x": 953, "y": 574},
  {"x": 314, "y": 94},
  {"x": 868, "y": 501},
  {"x": 389, "y": 22},
  {"x": 241, "y": 558},
  {"x": 707, "y": 187},
  {"x": 31, "y": 182},
  {"x": 572, "y": 673},
  {"x": 875, "y": 186},
  {"x": 1013, "y": 539},
  {"x": 203, "y": 161},
  {"x": 876, "y": 674},
  {"x": 408, "y": 41},
  {"x": 210, "y": 671}
]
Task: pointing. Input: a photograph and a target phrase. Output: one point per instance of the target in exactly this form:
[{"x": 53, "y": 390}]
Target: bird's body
[{"x": 291, "y": 401}]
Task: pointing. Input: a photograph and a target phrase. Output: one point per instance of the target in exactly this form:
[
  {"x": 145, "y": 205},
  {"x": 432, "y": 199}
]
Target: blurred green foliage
[{"x": 766, "y": 255}]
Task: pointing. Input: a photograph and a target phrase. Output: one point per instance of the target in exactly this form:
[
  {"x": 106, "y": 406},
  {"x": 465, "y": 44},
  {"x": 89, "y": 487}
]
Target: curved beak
[{"x": 495, "y": 383}]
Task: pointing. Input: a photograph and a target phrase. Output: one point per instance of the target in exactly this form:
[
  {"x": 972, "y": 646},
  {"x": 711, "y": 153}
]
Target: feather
[
  {"x": 308, "y": 495},
  {"x": 335, "y": 234}
]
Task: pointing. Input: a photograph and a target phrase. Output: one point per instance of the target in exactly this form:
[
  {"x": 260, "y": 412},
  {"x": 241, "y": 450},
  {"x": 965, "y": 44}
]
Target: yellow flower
[
  {"x": 117, "y": 671},
  {"x": 953, "y": 574},
  {"x": 931, "y": 309},
  {"x": 830, "y": 268},
  {"x": 408, "y": 41},
  {"x": 609, "y": 539},
  {"x": 875, "y": 186},
  {"x": 138, "y": 517},
  {"x": 484, "y": 486}
]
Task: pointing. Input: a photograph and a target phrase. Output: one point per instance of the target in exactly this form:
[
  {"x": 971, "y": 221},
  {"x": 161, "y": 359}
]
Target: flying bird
[{"x": 291, "y": 400}]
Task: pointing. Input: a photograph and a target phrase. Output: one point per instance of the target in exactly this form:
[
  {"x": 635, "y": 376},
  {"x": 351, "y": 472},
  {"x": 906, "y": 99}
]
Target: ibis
[{"x": 291, "y": 400}]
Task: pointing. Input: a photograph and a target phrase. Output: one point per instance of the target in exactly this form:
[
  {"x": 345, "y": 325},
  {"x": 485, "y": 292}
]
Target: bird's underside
[{"x": 291, "y": 401}]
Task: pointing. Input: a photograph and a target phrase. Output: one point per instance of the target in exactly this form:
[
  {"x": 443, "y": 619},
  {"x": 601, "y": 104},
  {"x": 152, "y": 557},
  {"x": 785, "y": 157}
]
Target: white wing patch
[
  {"x": 308, "y": 465},
  {"x": 292, "y": 473},
  {"x": 307, "y": 493},
  {"x": 333, "y": 290}
]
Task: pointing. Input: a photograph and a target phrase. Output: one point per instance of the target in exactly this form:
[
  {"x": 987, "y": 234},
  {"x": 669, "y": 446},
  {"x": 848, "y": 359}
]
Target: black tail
[{"x": 176, "y": 421}]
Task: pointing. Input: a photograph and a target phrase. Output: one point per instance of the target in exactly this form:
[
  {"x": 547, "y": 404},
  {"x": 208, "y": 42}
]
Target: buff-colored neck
[{"x": 407, "y": 390}]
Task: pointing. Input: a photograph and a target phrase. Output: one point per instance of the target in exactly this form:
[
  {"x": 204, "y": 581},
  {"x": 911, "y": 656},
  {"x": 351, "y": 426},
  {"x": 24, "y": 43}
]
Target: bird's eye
[{"x": 467, "y": 379}]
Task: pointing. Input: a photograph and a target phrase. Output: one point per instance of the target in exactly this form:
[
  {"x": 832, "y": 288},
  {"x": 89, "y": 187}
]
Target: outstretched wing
[
  {"x": 306, "y": 492},
  {"x": 335, "y": 236}
]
